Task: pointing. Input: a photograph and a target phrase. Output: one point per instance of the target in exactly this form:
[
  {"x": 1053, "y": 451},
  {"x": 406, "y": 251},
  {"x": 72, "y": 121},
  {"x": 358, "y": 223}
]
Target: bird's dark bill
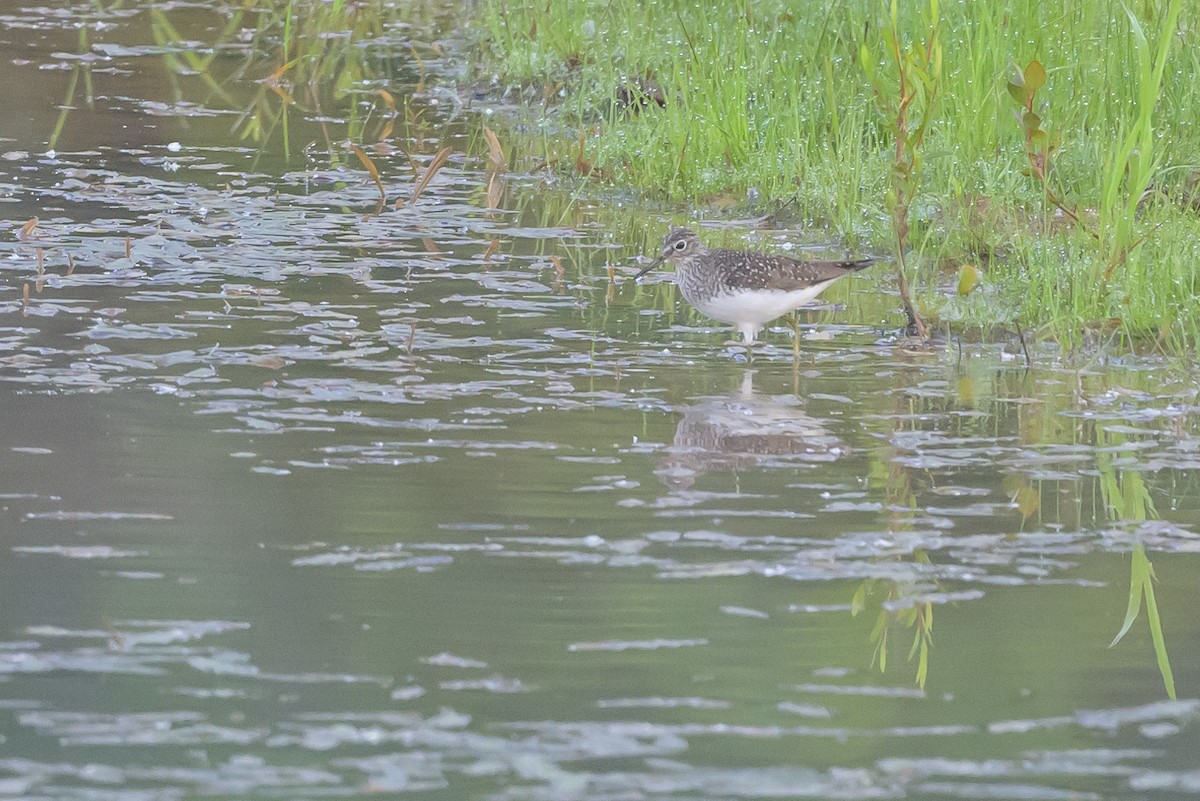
[{"x": 657, "y": 262}]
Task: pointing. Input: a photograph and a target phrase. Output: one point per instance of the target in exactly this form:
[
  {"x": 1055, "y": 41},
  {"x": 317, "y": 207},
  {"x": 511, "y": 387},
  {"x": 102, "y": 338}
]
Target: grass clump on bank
[{"x": 1059, "y": 152}]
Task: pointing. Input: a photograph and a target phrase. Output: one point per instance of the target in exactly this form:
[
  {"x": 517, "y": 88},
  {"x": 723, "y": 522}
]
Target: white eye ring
[{"x": 681, "y": 244}]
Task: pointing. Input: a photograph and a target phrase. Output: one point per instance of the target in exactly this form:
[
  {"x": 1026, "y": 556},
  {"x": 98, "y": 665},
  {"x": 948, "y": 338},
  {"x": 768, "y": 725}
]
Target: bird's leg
[
  {"x": 793, "y": 322},
  {"x": 748, "y": 341}
]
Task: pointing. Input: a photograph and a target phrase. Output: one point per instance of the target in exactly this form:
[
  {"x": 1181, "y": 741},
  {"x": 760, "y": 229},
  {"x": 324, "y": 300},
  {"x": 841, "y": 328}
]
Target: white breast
[{"x": 756, "y": 307}]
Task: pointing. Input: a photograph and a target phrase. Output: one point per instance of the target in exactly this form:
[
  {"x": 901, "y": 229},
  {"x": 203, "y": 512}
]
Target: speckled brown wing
[
  {"x": 765, "y": 271},
  {"x": 804, "y": 274}
]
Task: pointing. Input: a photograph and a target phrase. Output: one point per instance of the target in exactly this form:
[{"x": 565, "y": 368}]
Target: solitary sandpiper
[{"x": 744, "y": 288}]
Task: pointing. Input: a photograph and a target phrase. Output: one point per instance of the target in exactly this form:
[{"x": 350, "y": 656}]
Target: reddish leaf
[{"x": 1035, "y": 76}]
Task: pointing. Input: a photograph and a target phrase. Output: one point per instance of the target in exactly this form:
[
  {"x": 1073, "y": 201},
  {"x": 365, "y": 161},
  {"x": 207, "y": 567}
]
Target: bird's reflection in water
[{"x": 745, "y": 430}]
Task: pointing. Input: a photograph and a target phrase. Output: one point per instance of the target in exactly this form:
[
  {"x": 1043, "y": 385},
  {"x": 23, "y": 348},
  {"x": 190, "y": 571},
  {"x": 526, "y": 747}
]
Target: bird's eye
[{"x": 681, "y": 244}]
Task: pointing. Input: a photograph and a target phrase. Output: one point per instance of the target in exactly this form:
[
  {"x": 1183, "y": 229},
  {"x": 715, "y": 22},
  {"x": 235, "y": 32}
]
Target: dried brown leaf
[
  {"x": 371, "y": 169},
  {"x": 495, "y": 189},
  {"x": 584, "y": 167},
  {"x": 439, "y": 161},
  {"x": 492, "y": 247},
  {"x": 495, "y": 152},
  {"x": 284, "y": 94},
  {"x": 270, "y": 361},
  {"x": 388, "y": 128},
  {"x": 274, "y": 82}
]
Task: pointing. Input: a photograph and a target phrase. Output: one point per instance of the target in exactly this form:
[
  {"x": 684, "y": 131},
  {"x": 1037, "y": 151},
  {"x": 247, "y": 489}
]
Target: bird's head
[{"x": 678, "y": 245}]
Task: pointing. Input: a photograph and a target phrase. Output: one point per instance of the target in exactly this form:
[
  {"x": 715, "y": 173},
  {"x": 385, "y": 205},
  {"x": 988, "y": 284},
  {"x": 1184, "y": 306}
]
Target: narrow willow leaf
[
  {"x": 859, "y": 601},
  {"x": 923, "y": 666},
  {"x": 880, "y": 626},
  {"x": 868, "y": 63}
]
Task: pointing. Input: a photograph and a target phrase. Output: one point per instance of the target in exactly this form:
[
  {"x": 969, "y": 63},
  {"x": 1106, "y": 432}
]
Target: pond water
[{"x": 303, "y": 498}]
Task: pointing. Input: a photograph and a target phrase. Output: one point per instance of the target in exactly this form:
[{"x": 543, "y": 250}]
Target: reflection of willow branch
[
  {"x": 1126, "y": 498},
  {"x": 888, "y": 594},
  {"x": 1141, "y": 585},
  {"x": 892, "y": 611}
]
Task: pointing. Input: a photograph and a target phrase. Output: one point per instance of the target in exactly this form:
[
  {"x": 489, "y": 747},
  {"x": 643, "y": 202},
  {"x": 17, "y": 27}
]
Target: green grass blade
[
  {"x": 1156, "y": 633},
  {"x": 1138, "y": 575}
]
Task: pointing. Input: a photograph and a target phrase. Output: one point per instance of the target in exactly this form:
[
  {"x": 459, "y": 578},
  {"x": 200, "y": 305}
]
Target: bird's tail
[{"x": 854, "y": 265}]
